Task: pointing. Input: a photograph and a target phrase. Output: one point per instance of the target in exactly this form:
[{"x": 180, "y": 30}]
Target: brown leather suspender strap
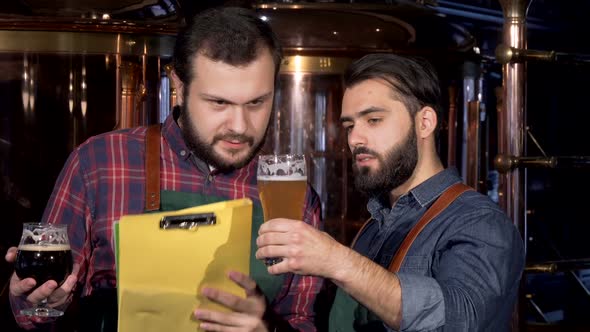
[
  {"x": 439, "y": 205},
  {"x": 360, "y": 231},
  {"x": 152, "y": 168}
]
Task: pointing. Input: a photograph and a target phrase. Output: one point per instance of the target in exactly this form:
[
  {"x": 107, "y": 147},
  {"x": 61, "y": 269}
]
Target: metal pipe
[
  {"x": 557, "y": 266},
  {"x": 506, "y": 54},
  {"x": 512, "y": 123},
  {"x": 512, "y": 112},
  {"x": 541, "y": 268},
  {"x": 131, "y": 94},
  {"x": 452, "y": 127},
  {"x": 473, "y": 143},
  {"x": 505, "y": 163}
]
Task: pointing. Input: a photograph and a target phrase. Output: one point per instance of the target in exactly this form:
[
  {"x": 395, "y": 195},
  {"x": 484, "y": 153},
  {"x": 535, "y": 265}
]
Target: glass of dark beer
[
  {"x": 282, "y": 183},
  {"x": 44, "y": 254}
]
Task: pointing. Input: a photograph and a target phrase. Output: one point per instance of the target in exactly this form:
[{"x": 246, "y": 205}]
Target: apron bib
[{"x": 98, "y": 312}]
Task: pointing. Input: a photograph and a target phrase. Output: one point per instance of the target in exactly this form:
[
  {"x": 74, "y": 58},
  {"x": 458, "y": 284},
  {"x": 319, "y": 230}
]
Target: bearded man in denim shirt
[{"x": 461, "y": 273}]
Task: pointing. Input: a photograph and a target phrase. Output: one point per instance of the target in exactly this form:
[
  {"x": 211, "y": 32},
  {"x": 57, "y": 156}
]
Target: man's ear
[
  {"x": 426, "y": 122},
  {"x": 178, "y": 86}
]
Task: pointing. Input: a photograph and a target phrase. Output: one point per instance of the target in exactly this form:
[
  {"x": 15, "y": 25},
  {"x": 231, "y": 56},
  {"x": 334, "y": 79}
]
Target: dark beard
[
  {"x": 396, "y": 167},
  {"x": 204, "y": 150}
]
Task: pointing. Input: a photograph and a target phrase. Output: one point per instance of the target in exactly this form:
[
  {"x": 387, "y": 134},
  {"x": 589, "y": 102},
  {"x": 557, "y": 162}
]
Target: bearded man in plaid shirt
[{"x": 226, "y": 63}]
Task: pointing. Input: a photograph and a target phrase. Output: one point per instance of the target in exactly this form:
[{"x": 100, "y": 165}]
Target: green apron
[
  {"x": 349, "y": 315},
  {"x": 346, "y": 314},
  {"x": 98, "y": 312},
  {"x": 268, "y": 283}
]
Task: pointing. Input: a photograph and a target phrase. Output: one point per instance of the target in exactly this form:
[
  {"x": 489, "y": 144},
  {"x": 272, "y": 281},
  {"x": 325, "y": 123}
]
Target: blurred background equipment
[{"x": 514, "y": 77}]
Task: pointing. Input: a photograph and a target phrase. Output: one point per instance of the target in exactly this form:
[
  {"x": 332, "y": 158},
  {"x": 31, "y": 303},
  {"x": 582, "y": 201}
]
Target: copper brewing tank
[{"x": 77, "y": 72}]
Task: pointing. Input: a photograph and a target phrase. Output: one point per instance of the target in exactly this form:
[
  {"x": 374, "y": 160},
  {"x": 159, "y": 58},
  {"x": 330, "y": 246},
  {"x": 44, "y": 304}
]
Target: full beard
[
  {"x": 396, "y": 167},
  {"x": 205, "y": 150}
]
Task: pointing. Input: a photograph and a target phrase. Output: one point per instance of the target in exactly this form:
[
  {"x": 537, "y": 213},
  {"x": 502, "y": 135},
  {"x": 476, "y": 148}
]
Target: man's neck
[{"x": 423, "y": 172}]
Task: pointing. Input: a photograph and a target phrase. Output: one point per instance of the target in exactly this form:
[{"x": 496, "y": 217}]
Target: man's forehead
[{"x": 356, "y": 106}]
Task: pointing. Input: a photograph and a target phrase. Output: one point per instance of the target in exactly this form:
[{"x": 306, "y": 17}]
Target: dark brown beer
[{"x": 44, "y": 263}]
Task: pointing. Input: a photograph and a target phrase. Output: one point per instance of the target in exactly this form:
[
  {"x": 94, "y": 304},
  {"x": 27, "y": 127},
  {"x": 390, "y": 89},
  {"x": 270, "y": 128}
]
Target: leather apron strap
[
  {"x": 152, "y": 168},
  {"x": 439, "y": 205}
]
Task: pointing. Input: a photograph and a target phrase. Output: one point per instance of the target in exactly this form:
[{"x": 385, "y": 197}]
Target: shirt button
[{"x": 183, "y": 153}]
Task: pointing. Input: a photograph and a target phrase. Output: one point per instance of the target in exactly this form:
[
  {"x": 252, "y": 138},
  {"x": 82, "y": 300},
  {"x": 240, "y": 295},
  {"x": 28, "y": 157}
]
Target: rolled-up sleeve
[
  {"x": 423, "y": 306},
  {"x": 475, "y": 276}
]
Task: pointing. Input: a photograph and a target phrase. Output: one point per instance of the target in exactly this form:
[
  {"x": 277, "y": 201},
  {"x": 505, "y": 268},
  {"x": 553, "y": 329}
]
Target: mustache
[
  {"x": 234, "y": 137},
  {"x": 363, "y": 150}
]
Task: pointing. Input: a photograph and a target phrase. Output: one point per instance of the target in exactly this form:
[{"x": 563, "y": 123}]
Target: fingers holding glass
[{"x": 44, "y": 254}]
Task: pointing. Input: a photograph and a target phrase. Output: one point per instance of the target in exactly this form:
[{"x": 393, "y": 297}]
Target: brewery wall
[{"x": 76, "y": 80}]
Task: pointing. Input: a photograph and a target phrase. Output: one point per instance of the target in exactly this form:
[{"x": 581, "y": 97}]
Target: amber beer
[
  {"x": 44, "y": 263},
  {"x": 282, "y": 196},
  {"x": 282, "y": 183}
]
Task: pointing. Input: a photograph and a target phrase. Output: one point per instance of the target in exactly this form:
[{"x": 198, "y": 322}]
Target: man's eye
[
  {"x": 256, "y": 102},
  {"x": 374, "y": 120},
  {"x": 219, "y": 102}
]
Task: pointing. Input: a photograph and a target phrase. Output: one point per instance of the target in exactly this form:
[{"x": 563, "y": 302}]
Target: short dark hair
[
  {"x": 413, "y": 80},
  {"x": 232, "y": 35}
]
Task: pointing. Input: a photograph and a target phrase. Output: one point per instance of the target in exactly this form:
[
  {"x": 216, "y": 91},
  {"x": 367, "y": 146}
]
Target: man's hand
[
  {"x": 56, "y": 296},
  {"x": 246, "y": 312},
  {"x": 305, "y": 250}
]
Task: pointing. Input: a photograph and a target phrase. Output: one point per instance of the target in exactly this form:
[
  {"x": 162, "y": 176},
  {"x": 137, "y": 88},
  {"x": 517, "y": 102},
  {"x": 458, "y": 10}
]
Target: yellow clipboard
[{"x": 162, "y": 263}]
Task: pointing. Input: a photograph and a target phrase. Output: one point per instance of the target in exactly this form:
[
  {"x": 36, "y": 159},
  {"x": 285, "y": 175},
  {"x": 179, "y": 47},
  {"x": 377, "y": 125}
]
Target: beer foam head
[
  {"x": 292, "y": 177},
  {"x": 281, "y": 165},
  {"x": 44, "y": 234},
  {"x": 35, "y": 247}
]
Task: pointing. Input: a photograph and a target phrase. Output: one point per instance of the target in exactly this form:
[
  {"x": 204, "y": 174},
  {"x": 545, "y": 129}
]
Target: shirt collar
[
  {"x": 433, "y": 187},
  {"x": 173, "y": 136},
  {"x": 424, "y": 193},
  {"x": 378, "y": 206}
]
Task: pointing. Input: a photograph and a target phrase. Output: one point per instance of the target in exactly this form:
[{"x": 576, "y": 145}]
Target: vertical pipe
[
  {"x": 512, "y": 123},
  {"x": 131, "y": 92},
  {"x": 470, "y": 158},
  {"x": 473, "y": 145},
  {"x": 172, "y": 89},
  {"x": 452, "y": 127},
  {"x": 512, "y": 113},
  {"x": 118, "y": 94}
]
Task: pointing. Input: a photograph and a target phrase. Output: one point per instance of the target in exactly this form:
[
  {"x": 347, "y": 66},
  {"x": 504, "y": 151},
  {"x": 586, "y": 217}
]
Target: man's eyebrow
[
  {"x": 362, "y": 113},
  {"x": 213, "y": 97},
  {"x": 262, "y": 97}
]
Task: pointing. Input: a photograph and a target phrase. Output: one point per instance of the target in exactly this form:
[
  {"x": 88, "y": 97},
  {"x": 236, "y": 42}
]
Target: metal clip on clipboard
[{"x": 188, "y": 221}]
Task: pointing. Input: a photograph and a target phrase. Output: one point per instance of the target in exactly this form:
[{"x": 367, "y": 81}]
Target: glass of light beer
[
  {"x": 282, "y": 183},
  {"x": 43, "y": 254}
]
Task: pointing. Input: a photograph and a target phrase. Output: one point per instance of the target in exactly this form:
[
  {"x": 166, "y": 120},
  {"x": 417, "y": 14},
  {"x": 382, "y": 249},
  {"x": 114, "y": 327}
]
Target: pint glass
[
  {"x": 43, "y": 254},
  {"x": 282, "y": 183}
]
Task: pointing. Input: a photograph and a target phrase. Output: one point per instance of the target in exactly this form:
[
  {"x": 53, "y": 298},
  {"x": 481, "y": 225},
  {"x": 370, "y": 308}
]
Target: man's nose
[
  {"x": 238, "y": 120},
  {"x": 356, "y": 137}
]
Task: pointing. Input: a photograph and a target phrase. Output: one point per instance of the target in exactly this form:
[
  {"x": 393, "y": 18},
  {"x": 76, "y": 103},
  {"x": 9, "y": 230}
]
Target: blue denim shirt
[{"x": 462, "y": 272}]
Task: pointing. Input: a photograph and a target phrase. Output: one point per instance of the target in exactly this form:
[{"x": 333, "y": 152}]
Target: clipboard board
[{"x": 164, "y": 259}]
